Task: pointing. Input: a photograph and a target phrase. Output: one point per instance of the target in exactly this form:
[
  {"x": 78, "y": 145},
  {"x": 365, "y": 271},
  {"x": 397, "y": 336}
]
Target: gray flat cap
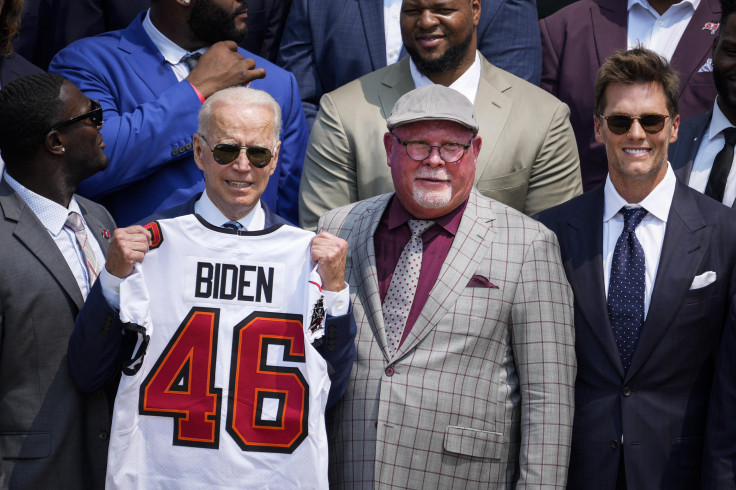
[{"x": 431, "y": 103}]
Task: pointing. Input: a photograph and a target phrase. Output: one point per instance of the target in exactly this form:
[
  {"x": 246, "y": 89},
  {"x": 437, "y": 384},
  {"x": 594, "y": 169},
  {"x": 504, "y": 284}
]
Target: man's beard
[
  {"x": 448, "y": 60},
  {"x": 211, "y": 24}
]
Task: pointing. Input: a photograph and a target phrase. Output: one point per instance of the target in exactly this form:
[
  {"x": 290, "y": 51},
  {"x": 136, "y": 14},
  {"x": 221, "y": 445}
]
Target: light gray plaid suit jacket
[{"x": 480, "y": 394}]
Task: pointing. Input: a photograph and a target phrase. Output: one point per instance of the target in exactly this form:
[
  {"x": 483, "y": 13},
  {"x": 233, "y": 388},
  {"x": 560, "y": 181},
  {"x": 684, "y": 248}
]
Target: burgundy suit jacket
[{"x": 577, "y": 40}]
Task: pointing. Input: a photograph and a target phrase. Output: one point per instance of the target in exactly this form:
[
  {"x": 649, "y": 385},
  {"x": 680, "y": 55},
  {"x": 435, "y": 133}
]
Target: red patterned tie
[
  {"x": 403, "y": 287},
  {"x": 74, "y": 221}
]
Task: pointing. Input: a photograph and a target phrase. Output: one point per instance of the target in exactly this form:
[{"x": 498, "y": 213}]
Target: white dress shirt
[
  {"x": 392, "y": 30},
  {"x": 172, "y": 52},
  {"x": 466, "y": 84},
  {"x": 52, "y": 216},
  {"x": 660, "y": 33},
  {"x": 712, "y": 143},
  {"x": 650, "y": 231},
  {"x": 336, "y": 303}
]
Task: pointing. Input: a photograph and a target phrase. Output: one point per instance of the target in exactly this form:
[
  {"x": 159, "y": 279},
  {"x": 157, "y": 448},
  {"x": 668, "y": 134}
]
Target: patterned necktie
[
  {"x": 233, "y": 225},
  {"x": 721, "y": 167},
  {"x": 190, "y": 60},
  {"x": 75, "y": 223},
  {"x": 403, "y": 286},
  {"x": 626, "y": 287}
]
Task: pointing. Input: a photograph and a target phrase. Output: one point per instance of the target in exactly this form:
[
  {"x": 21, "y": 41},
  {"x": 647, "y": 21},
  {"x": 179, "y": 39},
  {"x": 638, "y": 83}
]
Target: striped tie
[{"x": 75, "y": 223}]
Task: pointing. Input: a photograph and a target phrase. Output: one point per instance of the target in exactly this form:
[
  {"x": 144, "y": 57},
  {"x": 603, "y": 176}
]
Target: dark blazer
[
  {"x": 682, "y": 152},
  {"x": 15, "y": 66},
  {"x": 327, "y": 44},
  {"x": 660, "y": 403},
  {"x": 266, "y": 21},
  {"x": 150, "y": 118},
  {"x": 51, "y": 434},
  {"x": 577, "y": 40},
  {"x": 97, "y": 351}
]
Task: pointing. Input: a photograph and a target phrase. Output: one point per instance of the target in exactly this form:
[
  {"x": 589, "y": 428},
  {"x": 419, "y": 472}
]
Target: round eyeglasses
[
  {"x": 225, "y": 153},
  {"x": 420, "y": 150}
]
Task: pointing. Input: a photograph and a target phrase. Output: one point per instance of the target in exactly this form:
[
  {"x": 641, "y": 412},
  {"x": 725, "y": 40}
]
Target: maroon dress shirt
[{"x": 391, "y": 237}]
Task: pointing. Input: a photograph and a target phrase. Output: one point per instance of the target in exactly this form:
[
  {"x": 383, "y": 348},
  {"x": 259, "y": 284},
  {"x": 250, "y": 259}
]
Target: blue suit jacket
[
  {"x": 660, "y": 403},
  {"x": 327, "y": 44},
  {"x": 577, "y": 40},
  {"x": 150, "y": 119},
  {"x": 97, "y": 351}
]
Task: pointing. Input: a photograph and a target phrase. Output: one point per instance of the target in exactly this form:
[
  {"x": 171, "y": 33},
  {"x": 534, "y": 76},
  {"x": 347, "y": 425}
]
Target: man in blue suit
[
  {"x": 652, "y": 265},
  {"x": 327, "y": 44},
  {"x": 151, "y": 93}
]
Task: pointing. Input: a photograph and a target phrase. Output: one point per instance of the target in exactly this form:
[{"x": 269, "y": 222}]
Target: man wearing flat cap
[{"x": 465, "y": 360}]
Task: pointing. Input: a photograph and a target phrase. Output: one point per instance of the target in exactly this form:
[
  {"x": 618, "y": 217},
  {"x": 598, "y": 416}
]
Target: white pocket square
[
  {"x": 707, "y": 67},
  {"x": 703, "y": 280}
]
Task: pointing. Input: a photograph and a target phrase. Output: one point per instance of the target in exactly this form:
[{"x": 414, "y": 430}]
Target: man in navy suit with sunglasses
[{"x": 652, "y": 266}]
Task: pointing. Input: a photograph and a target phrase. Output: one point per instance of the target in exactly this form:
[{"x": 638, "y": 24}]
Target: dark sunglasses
[
  {"x": 94, "y": 115},
  {"x": 225, "y": 153},
  {"x": 621, "y": 123}
]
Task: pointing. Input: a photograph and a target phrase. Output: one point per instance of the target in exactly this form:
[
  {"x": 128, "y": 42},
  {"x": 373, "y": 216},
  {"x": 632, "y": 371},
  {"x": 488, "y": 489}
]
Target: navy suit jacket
[
  {"x": 577, "y": 40},
  {"x": 97, "y": 351},
  {"x": 266, "y": 21},
  {"x": 15, "y": 66},
  {"x": 327, "y": 44},
  {"x": 150, "y": 119},
  {"x": 660, "y": 403}
]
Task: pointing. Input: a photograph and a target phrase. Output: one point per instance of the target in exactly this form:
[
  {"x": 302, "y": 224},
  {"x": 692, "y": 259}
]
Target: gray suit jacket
[
  {"x": 51, "y": 434},
  {"x": 480, "y": 394},
  {"x": 528, "y": 160}
]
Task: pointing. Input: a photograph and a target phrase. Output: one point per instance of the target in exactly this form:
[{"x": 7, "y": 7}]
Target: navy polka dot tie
[{"x": 626, "y": 287}]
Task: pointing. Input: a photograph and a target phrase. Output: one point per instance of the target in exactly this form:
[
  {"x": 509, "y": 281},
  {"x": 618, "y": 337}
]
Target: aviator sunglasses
[
  {"x": 94, "y": 115},
  {"x": 225, "y": 153},
  {"x": 621, "y": 123}
]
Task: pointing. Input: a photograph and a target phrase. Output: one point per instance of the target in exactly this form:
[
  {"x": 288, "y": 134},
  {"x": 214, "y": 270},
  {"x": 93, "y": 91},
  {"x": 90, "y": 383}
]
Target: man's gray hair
[{"x": 243, "y": 96}]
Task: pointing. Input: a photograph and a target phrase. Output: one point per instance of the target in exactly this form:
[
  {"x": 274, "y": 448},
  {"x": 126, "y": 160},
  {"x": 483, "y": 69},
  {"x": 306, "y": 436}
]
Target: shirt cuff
[
  {"x": 110, "y": 288},
  {"x": 337, "y": 304}
]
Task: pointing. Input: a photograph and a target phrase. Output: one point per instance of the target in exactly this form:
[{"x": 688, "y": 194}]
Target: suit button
[
  {"x": 626, "y": 391},
  {"x": 182, "y": 149},
  {"x": 390, "y": 371},
  {"x": 615, "y": 444},
  {"x": 188, "y": 146},
  {"x": 175, "y": 151},
  {"x": 103, "y": 435}
]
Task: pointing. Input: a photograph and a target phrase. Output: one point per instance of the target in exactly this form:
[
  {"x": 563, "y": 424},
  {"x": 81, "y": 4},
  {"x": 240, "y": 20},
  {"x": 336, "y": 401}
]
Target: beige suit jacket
[
  {"x": 480, "y": 394},
  {"x": 528, "y": 159}
]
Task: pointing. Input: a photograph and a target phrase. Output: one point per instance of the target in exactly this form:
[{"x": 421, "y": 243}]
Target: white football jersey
[{"x": 229, "y": 392}]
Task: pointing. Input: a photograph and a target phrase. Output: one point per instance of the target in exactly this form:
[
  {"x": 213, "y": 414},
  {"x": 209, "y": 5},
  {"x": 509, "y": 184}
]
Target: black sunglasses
[
  {"x": 94, "y": 115},
  {"x": 621, "y": 123},
  {"x": 225, "y": 153}
]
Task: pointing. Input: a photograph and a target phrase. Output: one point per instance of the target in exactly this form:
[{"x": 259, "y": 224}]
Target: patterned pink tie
[
  {"x": 403, "y": 287},
  {"x": 74, "y": 221}
]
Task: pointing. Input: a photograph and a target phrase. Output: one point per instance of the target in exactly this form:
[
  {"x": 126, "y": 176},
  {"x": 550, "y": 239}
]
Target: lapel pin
[
  {"x": 710, "y": 26},
  {"x": 106, "y": 233}
]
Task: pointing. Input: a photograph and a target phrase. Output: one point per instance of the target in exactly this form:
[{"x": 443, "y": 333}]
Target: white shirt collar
[
  {"x": 172, "y": 52},
  {"x": 718, "y": 122},
  {"x": 51, "y": 214},
  {"x": 467, "y": 84},
  {"x": 657, "y": 203},
  {"x": 253, "y": 221},
  {"x": 645, "y": 4}
]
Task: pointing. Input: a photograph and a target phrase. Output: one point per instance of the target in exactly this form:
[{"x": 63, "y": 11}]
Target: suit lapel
[
  {"x": 609, "y": 27},
  {"x": 144, "y": 59},
  {"x": 34, "y": 236},
  {"x": 492, "y": 109},
  {"x": 475, "y": 234},
  {"x": 371, "y": 13},
  {"x": 688, "y": 143},
  {"x": 584, "y": 262},
  {"x": 365, "y": 270},
  {"x": 689, "y": 56},
  {"x": 685, "y": 241},
  {"x": 97, "y": 228},
  {"x": 395, "y": 83}
]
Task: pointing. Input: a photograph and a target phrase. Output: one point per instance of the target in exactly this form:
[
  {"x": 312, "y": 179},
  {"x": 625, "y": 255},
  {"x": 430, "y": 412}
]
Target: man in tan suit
[
  {"x": 465, "y": 359},
  {"x": 529, "y": 158}
]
